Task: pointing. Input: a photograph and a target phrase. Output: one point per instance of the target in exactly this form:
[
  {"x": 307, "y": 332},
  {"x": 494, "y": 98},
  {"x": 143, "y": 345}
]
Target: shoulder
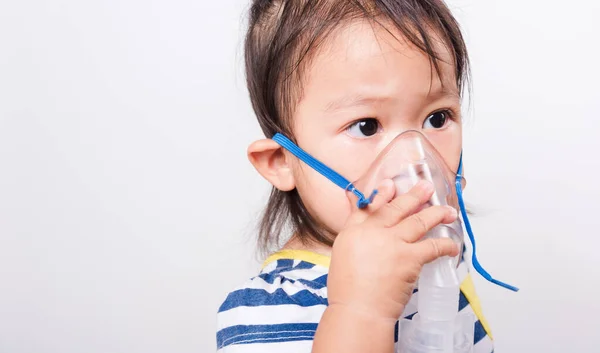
[{"x": 280, "y": 306}]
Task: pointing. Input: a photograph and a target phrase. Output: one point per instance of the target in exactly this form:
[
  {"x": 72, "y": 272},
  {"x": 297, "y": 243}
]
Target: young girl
[{"x": 341, "y": 79}]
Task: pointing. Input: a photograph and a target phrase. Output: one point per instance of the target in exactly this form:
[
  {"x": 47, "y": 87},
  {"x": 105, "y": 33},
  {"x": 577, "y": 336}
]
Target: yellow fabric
[
  {"x": 467, "y": 287},
  {"x": 302, "y": 255}
]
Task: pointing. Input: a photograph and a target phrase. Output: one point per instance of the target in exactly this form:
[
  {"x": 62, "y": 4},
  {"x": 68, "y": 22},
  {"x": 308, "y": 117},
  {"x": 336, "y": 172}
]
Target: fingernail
[{"x": 452, "y": 211}]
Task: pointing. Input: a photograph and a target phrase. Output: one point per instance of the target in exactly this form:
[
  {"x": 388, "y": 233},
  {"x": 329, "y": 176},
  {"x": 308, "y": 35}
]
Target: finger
[
  {"x": 430, "y": 249},
  {"x": 385, "y": 193},
  {"x": 415, "y": 226},
  {"x": 403, "y": 205}
]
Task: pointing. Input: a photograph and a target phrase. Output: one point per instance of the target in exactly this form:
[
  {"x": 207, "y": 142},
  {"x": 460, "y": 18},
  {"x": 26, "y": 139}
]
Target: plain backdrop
[{"x": 127, "y": 204}]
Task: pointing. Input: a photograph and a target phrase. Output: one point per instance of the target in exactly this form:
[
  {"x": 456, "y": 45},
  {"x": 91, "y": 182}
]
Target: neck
[{"x": 295, "y": 243}]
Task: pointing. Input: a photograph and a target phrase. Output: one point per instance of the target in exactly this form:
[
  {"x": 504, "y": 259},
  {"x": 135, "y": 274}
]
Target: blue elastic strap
[
  {"x": 364, "y": 202},
  {"x": 324, "y": 170},
  {"x": 463, "y": 211}
]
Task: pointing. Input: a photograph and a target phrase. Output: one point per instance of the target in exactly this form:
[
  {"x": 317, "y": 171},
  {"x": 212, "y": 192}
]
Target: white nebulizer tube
[{"x": 437, "y": 327}]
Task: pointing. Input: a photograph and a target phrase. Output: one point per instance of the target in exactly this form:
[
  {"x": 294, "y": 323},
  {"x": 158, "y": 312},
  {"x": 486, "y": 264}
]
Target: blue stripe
[
  {"x": 321, "y": 280},
  {"x": 303, "y": 265},
  {"x": 462, "y": 301},
  {"x": 270, "y": 278},
  {"x": 311, "y": 284},
  {"x": 243, "y": 334},
  {"x": 284, "y": 263},
  {"x": 317, "y": 283},
  {"x": 479, "y": 332},
  {"x": 282, "y": 266},
  {"x": 275, "y": 338},
  {"x": 260, "y": 297}
]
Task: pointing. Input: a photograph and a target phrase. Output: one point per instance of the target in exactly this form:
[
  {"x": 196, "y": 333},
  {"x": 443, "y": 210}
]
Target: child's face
[{"x": 361, "y": 90}]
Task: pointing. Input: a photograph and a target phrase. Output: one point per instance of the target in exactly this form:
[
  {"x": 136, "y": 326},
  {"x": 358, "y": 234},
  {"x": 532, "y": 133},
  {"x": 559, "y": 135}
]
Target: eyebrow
[
  {"x": 357, "y": 99},
  {"x": 353, "y": 100}
]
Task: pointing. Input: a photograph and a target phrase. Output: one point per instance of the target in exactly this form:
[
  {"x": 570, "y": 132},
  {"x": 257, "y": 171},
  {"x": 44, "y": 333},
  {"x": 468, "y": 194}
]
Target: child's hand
[{"x": 377, "y": 257}]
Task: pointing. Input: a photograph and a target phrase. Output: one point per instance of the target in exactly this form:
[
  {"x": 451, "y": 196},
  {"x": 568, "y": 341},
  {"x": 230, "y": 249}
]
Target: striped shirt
[{"x": 279, "y": 310}]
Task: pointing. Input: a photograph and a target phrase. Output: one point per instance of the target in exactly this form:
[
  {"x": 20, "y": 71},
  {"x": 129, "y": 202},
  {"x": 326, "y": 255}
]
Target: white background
[{"x": 127, "y": 204}]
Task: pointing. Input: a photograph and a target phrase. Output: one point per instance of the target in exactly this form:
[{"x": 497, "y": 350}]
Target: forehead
[{"x": 365, "y": 60}]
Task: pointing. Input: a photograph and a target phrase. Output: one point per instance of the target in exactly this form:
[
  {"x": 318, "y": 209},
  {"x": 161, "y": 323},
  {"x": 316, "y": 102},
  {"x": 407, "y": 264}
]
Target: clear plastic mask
[{"x": 410, "y": 157}]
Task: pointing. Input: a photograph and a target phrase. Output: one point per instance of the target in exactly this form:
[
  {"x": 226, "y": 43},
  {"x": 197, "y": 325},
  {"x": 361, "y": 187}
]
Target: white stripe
[
  {"x": 485, "y": 345},
  {"x": 283, "y": 338},
  {"x": 270, "y": 315},
  {"x": 288, "y": 287},
  {"x": 278, "y": 347},
  {"x": 270, "y": 267},
  {"x": 309, "y": 274}
]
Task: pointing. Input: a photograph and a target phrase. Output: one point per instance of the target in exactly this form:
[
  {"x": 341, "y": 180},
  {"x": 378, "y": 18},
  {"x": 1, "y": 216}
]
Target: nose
[
  {"x": 396, "y": 133},
  {"x": 408, "y": 176}
]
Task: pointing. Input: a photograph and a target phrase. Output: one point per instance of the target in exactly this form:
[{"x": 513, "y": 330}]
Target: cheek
[
  {"x": 324, "y": 200},
  {"x": 348, "y": 157},
  {"x": 352, "y": 159},
  {"x": 451, "y": 158},
  {"x": 449, "y": 146}
]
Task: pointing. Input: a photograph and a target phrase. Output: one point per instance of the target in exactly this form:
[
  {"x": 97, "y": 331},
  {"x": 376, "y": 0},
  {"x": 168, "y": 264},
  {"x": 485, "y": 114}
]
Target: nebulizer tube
[{"x": 437, "y": 326}]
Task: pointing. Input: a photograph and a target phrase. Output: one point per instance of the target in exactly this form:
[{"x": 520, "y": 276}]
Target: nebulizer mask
[{"x": 408, "y": 159}]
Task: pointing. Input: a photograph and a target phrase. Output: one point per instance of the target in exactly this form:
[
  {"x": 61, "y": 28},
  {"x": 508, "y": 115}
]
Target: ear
[{"x": 269, "y": 160}]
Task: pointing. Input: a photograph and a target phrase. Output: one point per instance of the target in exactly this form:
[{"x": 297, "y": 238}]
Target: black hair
[{"x": 282, "y": 36}]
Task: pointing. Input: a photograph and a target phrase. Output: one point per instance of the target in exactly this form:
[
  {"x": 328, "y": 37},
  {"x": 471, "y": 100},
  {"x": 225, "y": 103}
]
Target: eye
[
  {"x": 364, "y": 128},
  {"x": 436, "y": 120}
]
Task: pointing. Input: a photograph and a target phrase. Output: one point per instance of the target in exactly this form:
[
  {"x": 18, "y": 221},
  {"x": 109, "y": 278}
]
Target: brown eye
[
  {"x": 364, "y": 128},
  {"x": 436, "y": 120}
]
